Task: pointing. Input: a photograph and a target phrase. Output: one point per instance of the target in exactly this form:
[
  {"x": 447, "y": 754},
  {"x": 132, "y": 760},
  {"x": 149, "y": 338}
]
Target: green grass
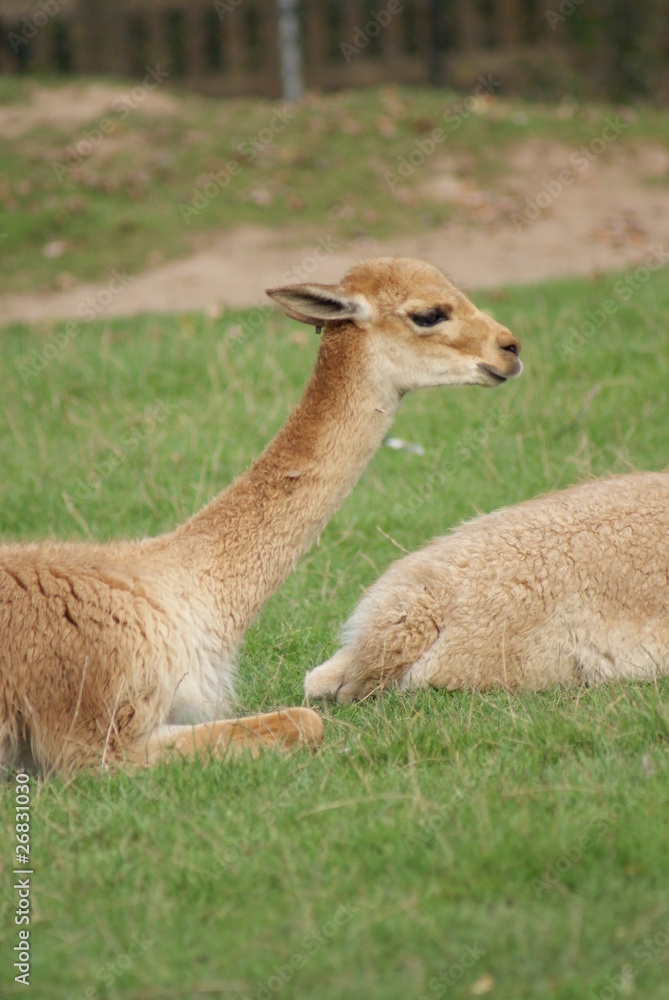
[
  {"x": 437, "y": 843},
  {"x": 325, "y": 171}
]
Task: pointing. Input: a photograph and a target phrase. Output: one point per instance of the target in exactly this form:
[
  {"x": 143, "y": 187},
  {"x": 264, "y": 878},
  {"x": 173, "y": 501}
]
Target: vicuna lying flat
[
  {"x": 126, "y": 650},
  {"x": 568, "y": 587}
]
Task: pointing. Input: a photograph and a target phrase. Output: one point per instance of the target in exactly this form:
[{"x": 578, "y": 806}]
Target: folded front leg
[{"x": 292, "y": 727}]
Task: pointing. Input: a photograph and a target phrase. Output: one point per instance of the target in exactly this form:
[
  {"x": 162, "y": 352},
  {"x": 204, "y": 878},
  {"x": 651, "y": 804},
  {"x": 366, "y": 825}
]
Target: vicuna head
[{"x": 420, "y": 329}]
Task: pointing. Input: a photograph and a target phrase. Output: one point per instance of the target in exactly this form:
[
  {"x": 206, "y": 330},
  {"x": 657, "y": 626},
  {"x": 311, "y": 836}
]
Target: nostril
[{"x": 513, "y": 348}]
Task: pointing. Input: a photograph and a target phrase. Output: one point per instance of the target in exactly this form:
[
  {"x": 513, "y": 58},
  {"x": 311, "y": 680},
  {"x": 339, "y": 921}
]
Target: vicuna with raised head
[{"x": 125, "y": 650}]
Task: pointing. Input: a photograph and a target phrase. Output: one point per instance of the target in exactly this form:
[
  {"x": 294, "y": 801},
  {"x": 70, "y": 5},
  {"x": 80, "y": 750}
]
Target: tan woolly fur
[
  {"x": 570, "y": 587},
  {"x": 126, "y": 651}
]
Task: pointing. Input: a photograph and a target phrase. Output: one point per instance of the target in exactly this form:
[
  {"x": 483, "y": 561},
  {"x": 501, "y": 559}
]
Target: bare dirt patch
[
  {"x": 77, "y": 104},
  {"x": 608, "y": 218}
]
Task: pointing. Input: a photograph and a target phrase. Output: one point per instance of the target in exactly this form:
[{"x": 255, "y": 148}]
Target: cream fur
[
  {"x": 568, "y": 587},
  {"x": 112, "y": 651}
]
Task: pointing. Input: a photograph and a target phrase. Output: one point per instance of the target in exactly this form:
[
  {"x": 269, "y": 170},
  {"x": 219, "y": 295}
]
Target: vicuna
[
  {"x": 568, "y": 587},
  {"x": 124, "y": 650}
]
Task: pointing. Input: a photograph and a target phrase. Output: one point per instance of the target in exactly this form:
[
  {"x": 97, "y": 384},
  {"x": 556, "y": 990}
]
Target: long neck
[{"x": 247, "y": 540}]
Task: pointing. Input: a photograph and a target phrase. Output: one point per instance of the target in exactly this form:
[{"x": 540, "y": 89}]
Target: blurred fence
[{"x": 545, "y": 48}]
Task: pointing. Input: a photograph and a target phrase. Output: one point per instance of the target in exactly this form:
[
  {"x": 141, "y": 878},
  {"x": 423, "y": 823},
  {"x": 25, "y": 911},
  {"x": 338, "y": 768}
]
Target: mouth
[{"x": 496, "y": 376}]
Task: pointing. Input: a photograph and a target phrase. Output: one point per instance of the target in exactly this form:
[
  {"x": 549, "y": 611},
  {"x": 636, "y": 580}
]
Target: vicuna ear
[{"x": 317, "y": 304}]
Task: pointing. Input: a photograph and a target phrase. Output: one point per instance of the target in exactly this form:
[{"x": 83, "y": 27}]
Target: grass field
[{"x": 438, "y": 844}]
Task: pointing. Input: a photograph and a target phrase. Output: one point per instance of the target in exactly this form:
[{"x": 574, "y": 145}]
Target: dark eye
[{"x": 429, "y": 318}]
